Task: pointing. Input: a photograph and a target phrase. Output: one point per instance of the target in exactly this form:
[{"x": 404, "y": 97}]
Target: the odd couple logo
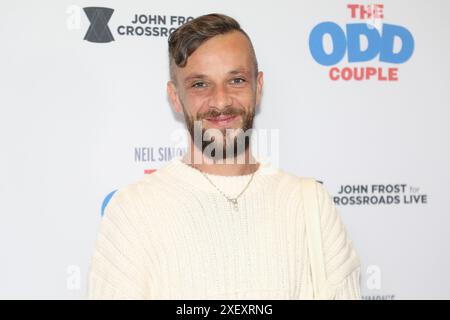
[{"x": 369, "y": 39}]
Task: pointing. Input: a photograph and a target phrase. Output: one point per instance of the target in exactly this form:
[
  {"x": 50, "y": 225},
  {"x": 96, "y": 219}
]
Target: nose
[{"x": 220, "y": 97}]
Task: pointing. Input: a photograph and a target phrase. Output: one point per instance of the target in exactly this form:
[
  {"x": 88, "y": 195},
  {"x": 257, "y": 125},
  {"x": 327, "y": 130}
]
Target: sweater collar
[{"x": 228, "y": 184}]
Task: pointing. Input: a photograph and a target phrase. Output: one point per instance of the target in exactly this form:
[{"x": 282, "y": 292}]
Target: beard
[{"x": 230, "y": 141}]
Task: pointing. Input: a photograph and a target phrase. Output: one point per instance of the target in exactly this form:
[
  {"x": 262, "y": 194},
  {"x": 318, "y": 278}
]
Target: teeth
[{"x": 221, "y": 118}]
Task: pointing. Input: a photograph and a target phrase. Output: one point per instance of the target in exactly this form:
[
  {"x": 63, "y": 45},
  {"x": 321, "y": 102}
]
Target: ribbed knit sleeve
[
  {"x": 342, "y": 264},
  {"x": 350, "y": 287},
  {"x": 117, "y": 270}
]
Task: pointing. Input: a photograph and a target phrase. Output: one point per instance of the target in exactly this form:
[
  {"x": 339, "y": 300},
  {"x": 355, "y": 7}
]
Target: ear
[
  {"x": 259, "y": 86},
  {"x": 172, "y": 92}
]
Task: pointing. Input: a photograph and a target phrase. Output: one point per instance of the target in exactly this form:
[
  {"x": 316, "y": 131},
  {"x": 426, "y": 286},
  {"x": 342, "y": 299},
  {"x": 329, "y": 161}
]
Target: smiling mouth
[{"x": 222, "y": 120}]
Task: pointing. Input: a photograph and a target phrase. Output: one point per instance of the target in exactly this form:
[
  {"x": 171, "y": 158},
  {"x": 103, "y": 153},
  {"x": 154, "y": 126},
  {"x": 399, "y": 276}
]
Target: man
[{"x": 217, "y": 223}]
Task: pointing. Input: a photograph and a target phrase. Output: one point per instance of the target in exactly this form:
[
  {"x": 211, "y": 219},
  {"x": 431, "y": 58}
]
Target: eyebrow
[
  {"x": 240, "y": 70},
  {"x": 203, "y": 76},
  {"x": 195, "y": 76}
]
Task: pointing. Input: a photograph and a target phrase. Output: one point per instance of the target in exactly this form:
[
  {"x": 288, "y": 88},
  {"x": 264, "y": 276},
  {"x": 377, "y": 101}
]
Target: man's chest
[{"x": 218, "y": 252}]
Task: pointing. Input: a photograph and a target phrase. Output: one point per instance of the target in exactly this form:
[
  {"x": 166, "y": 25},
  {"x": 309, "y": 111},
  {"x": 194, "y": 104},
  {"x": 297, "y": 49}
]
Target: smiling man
[
  {"x": 218, "y": 223},
  {"x": 217, "y": 91}
]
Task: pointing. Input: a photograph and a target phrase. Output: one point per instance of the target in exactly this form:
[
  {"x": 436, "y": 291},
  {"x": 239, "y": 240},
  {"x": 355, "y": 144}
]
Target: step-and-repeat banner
[{"x": 356, "y": 94}]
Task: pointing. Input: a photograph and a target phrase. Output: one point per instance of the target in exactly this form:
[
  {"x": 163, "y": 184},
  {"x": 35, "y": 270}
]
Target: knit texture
[{"x": 172, "y": 235}]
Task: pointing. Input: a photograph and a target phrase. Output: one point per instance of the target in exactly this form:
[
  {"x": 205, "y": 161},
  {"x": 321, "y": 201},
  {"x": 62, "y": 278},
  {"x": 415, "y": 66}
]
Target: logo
[
  {"x": 98, "y": 30},
  {"x": 380, "y": 194},
  {"x": 361, "y": 42},
  {"x": 106, "y": 201},
  {"x": 157, "y": 153}
]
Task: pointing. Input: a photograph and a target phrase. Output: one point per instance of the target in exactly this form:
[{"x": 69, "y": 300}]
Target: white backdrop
[{"x": 76, "y": 114}]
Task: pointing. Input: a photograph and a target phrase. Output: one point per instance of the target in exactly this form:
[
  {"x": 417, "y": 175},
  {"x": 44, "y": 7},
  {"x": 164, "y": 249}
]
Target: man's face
[{"x": 218, "y": 89}]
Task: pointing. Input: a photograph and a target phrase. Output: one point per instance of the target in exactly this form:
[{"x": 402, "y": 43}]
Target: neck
[{"x": 242, "y": 164}]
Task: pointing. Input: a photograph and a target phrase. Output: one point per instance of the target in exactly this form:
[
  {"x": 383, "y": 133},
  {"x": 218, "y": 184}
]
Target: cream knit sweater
[{"x": 172, "y": 235}]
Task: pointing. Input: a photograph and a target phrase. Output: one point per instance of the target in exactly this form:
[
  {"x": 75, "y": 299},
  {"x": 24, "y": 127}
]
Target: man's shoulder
[
  {"x": 290, "y": 177},
  {"x": 287, "y": 183},
  {"x": 136, "y": 191}
]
